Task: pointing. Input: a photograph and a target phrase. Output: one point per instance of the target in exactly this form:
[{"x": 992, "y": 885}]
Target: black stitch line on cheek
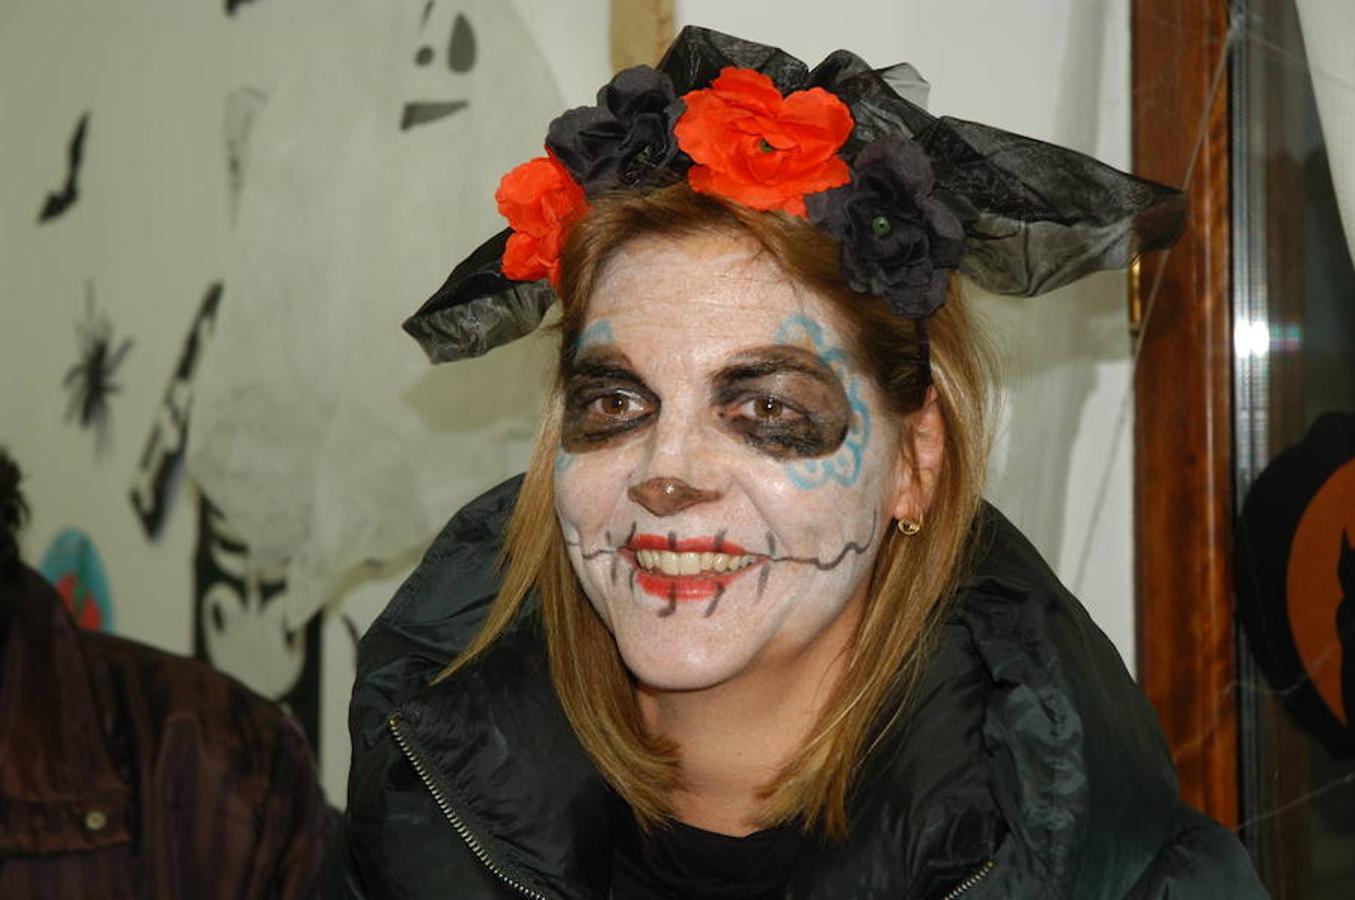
[
  {"x": 714, "y": 601},
  {"x": 670, "y": 609},
  {"x": 720, "y": 541},
  {"x": 672, "y": 541},
  {"x": 849, "y": 547},
  {"x": 762, "y": 579},
  {"x": 771, "y": 544},
  {"x": 615, "y": 560},
  {"x": 634, "y": 527},
  {"x": 632, "y": 581}
]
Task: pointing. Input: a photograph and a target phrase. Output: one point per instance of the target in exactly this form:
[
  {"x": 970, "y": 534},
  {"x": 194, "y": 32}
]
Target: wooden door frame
[{"x": 1183, "y": 507}]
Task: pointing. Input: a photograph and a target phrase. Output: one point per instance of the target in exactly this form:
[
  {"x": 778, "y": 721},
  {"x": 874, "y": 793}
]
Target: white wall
[{"x": 153, "y": 220}]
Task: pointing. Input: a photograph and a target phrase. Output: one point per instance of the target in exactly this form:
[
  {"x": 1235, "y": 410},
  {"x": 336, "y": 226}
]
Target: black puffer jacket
[{"x": 1030, "y": 767}]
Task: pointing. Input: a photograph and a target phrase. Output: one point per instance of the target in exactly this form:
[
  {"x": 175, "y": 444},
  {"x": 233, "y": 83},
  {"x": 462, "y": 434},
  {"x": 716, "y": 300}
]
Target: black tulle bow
[{"x": 928, "y": 195}]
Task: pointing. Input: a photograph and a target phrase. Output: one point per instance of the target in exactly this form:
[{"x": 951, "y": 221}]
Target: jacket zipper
[
  {"x": 478, "y": 851},
  {"x": 969, "y": 883},
  {"x": 471, "y": 841}
]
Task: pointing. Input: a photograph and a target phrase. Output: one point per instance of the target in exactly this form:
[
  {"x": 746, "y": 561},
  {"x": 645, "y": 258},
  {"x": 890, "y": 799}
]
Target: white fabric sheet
[{"x": 319, "y": 428}]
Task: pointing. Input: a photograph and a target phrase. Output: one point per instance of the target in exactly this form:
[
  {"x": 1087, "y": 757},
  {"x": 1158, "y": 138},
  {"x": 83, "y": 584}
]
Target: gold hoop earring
[{"x": 908, "y": 527}]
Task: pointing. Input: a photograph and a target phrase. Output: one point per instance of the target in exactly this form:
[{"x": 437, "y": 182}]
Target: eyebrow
[
  {"x": 764, "y": 361},
  {"x": 603, "y": 363}
]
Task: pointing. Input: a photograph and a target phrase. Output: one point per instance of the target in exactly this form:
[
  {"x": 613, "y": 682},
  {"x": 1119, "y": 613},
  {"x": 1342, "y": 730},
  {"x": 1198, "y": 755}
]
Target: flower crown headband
[{"x": 908, "y": 197}]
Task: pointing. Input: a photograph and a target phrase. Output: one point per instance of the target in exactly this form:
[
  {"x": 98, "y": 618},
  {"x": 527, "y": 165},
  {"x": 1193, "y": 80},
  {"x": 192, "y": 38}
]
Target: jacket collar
[
  {"x": 60, "y": 789},
  {"x": 1025, "y": 732},
  {"x": 494, "y": 741}
]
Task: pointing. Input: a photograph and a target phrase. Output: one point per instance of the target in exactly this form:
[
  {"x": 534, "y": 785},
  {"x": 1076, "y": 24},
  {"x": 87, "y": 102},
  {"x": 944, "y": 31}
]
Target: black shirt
[{"x": 680, "y": 862}]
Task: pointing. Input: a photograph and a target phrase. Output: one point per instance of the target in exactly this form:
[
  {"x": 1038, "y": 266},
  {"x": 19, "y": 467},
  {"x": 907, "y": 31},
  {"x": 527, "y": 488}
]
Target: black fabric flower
[
  {"x": 899, "y": 237},
  {"x": 627, "y": 139}
]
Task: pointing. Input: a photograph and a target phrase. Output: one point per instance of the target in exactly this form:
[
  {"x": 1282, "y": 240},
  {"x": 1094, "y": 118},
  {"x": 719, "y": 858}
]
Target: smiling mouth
[
  {"x": 691, "y": 569},
  {"x": 666, "y": 562}
]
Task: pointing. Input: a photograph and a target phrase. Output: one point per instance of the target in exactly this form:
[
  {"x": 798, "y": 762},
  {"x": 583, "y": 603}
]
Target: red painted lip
[
  {"x": 686, "y": 545},
  {"x": 686, "y": 587}
]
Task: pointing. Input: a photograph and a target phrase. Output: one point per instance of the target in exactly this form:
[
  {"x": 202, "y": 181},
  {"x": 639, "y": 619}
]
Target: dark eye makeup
[
  {"x": 781, "y": 401},
  {"x": 604, "y": 400},
  {"x": 781, "y": 427},
  {"x": 599, "y": 411},
  {"x": 785, "y": 402}
]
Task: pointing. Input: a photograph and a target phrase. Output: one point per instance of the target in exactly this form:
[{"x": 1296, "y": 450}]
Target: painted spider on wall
[{"x": 90, "y": 381}]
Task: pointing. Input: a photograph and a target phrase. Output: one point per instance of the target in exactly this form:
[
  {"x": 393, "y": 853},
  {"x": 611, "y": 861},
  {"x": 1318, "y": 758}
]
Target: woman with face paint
[{"x": 746, "y": 627}]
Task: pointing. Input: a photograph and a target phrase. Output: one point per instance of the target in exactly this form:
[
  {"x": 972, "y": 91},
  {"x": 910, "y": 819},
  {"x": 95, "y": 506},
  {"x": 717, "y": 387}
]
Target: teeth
[{"x": 671, "y": 563}]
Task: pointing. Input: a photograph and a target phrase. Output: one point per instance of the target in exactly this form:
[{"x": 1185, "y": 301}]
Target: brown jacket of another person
[{"x": 128, "y": 772}]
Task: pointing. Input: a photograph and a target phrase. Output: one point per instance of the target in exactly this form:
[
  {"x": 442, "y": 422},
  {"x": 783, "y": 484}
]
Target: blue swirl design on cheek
[
  {"x": 597, "y": 334},
  {"x": 843, "y": 466}
]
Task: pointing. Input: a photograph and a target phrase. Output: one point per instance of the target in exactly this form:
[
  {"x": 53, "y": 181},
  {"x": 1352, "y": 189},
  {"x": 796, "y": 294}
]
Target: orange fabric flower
[
  {"x": 541, "y": 202},
  {"x": 755, "y": 147}
]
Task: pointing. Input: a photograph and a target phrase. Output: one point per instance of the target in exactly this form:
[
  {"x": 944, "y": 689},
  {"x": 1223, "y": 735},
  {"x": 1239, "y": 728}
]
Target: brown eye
[
  {"x": 598, "y": 410},
  {"x": 616, "y": 404},
  {"x": 769, "y": 408}
]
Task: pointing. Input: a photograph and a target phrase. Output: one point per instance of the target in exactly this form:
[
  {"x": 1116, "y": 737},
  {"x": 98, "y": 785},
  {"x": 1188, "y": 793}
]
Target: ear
[{"x": 921, "y": 455}]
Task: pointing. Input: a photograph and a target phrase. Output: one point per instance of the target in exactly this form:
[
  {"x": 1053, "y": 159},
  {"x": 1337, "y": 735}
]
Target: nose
[
  {"x": 668, "y": 496},
  {"x": 681, "y": 466}
]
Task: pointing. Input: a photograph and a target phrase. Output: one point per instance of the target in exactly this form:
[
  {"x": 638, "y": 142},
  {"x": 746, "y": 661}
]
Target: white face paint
[{"x": 727, "y": 474}]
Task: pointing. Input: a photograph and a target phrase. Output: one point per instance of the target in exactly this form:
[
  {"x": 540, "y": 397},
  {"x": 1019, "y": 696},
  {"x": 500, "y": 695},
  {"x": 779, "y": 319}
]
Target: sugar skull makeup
[{"x": 726, "y": 474}]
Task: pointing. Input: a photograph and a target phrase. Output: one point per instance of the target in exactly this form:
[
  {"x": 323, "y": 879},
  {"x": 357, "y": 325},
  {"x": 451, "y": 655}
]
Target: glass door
[{"x": 1294, "y": 380}]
